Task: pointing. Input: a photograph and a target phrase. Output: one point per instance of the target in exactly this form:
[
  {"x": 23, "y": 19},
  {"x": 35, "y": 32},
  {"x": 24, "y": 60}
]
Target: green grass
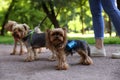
[
  {"x": 8, "y": 39},
  {"x": 91, "y": 40}
]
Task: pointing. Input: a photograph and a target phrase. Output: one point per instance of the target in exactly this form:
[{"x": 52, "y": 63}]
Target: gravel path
[{"x": 13, "y": 67}]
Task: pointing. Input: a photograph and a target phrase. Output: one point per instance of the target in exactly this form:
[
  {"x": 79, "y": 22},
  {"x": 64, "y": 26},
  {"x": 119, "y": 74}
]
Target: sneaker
[
  {"x": 116, "y": 55},
  {"x": 98, "y": 52}
]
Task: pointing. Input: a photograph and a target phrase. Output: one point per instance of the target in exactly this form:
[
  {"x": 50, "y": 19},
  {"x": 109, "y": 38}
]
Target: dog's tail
[{"x": 88, "y": 49}]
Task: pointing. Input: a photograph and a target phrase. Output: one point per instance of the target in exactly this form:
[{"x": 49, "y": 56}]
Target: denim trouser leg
[
  {"x": 113, "y": 13},
  {"x": 98, "y": 23},
  {"x": 110, "y": 9}
]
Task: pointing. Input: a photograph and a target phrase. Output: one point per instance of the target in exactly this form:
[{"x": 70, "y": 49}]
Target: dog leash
[
  {"x": 32, "y": 31},
  {"x": 31, "y": 34},
  {"x": 41, "y": 22}
]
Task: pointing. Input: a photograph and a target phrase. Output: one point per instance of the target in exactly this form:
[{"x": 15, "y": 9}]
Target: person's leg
[
  {"x": 98, "y": 26},
  {"x": 113, "y": 12}
]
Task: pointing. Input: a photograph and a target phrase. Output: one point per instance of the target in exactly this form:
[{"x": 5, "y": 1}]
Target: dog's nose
[
  {"x": 56, "y": 36},
  {"x": 15, "y": 32}
]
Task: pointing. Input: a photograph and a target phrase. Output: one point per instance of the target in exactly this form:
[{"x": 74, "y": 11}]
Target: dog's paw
[
  {"x": 12, "y": 53},
  {"x": 87, "y": 61},
  {"x": 63, "y": 67},
  {"x": 52, "y": 58},
  {"x": 21, "y": 52},
  {"x": 29, "y": 59},
  {"x": 36, "y": 58}
]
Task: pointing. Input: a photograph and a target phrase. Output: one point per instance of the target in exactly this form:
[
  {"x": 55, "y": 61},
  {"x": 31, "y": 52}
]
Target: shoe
[
  {"x": 116, "y": 55},
  {"x": 98, "y": 52}
]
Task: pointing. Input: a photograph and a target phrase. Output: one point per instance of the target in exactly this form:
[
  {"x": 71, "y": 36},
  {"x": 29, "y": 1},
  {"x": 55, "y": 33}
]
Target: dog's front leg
[
  {"x": 53, "y": 57},
  {"x": 30, "y": 56},
  {"x": 14, "y": 48},
  {"x": 85, "y": 59},
  {"x": 62, "y": 62},
  {"x": 36, "y": 57},
  {"x": 21, "y": 48}
]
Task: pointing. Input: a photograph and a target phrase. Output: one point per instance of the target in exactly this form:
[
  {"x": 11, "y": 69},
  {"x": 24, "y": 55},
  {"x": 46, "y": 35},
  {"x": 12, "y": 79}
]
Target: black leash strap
[{"x": 41, "y": 22}]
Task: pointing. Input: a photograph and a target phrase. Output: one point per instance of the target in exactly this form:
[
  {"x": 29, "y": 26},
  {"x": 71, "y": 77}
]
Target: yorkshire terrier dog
[
  {"x": 32, "y": 40},
  {"x": 9, "y": 27},
  {"x": 73, "y": 45},
  {"x": 56, "y": 40},
  {"x": 82, "y": 48}
]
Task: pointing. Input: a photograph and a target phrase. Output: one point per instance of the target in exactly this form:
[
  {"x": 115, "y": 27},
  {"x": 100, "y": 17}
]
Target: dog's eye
[
  {"x": 53, "y": 34},
  {"x": 57, "y": 34},
  {"x": 60, "y": 34},
  {"x": 19, "y": 30}
]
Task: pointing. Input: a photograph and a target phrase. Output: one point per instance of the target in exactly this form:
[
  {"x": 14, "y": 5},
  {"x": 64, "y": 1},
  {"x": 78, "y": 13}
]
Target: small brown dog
[
  {"x": 33, "y": 40},
  {"x": 56, "y": 40},
  {"x": 9, "y": 27}
]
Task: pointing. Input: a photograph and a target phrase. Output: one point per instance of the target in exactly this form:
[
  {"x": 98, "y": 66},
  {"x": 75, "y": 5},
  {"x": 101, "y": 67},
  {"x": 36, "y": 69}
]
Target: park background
[{"x": 75, "y": 15}]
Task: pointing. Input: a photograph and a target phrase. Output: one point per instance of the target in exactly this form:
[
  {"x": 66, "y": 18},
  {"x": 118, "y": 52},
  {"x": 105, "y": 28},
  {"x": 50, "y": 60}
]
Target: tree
[
  {"x": 59, "y": 13},
  {"x": 82, "y": 15},
  {"x": 50, "y": 13},
  {"x": 7, "y": 15}
]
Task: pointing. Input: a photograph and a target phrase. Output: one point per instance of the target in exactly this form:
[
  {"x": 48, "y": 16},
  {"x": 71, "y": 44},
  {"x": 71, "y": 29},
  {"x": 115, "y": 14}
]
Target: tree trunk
[
  {"x": 50, "y": 14},
  {"x": 7, "y": 16},
  {"x": 82, "y": 21},
  {"x": 82, "y": 16}
]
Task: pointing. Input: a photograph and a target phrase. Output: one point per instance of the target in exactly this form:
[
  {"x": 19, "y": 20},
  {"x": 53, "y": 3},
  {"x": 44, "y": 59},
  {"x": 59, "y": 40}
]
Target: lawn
[
  {"x": 90, "y": 38},
  {"x": 8, "y": 39}
]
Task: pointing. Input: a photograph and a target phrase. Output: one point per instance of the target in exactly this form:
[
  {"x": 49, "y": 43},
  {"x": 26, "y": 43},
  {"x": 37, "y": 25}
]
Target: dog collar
[{"x": 30, "y": 33}]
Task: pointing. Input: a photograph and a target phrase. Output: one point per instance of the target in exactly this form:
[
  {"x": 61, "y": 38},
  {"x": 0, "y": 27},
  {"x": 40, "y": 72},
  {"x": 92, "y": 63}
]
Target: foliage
[
  {"x": 31, "y": 12},
  {"x": 24, "y": 11}
]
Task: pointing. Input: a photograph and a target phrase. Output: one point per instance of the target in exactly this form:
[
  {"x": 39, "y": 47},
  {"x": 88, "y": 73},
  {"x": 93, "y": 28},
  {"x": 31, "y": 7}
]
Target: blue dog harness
[{"x": 71, "y": 45}]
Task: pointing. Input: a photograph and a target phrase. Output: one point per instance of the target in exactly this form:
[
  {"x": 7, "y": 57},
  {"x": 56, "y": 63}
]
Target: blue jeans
[{"x": 110, "y": 8}]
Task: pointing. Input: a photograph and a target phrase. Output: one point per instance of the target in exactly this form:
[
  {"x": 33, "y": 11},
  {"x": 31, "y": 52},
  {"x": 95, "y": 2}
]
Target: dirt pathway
[{"x": 14, "y": 67}]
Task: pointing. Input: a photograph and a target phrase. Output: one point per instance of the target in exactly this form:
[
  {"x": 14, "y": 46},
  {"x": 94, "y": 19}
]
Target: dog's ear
[
  {"x": 26, "y": 27},
  {"x": 48, "y": 43},
  {"x": 48, "y": 34},
  {"x": 65, "y": 31},
  {"x": 48, "y": 30},
  {"x": 65, "y": 35},
  {"x": 9, "y": 25},
  {"x": 64, "y": 28}
]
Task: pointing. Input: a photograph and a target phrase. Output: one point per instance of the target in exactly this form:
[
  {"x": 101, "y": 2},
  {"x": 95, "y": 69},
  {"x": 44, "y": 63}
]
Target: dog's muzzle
[{"x": 16, "y": 36}]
